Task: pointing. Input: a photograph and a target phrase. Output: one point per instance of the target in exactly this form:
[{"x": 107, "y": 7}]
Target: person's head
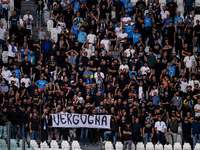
[
  {"x": 28, "y": 12},
  {"x": 47, "y": 37}
]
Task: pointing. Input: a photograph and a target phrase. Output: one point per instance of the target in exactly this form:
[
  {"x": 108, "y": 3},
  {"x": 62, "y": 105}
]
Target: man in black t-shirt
[
  {"x": 39, "y": 4},
  {"x": 26, "y": 67},
  {"x": 13, "y": 21},
  {"x": 33, "y": 126},
  {"x": 140, "y": 6},
  {"x": 156, "y": 48}
]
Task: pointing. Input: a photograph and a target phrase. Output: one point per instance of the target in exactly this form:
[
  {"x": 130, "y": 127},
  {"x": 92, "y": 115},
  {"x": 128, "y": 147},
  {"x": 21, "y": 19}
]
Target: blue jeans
[
  {"x": 195, "y": 140},
  {"x": 187, "y": 8},
  {"x": 2, "y": 42},
  {"x": 3, "y": 132},
  {"x": 160, "y": 137},
  {"x": 22, "y": 131},
  {"x": 198, "y": 48},
  {"x": 148, "y": 137},
  {"x": 38, "y": 17},
  {"x": 84, "y": 133},
  {"x": 114, "y": 134},
  {"x": 13, "y": 132},
  {"x": 34, "y": 135}
]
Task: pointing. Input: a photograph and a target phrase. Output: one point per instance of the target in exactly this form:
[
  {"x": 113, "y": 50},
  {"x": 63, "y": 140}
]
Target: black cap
[
  {"x": 195, "y": 118},
  {"x": 128, "y": 122},
  {"x": 171, "y": 102},
  {"x": 150, "y": 100},
  {"x": 161, "y": 100}
]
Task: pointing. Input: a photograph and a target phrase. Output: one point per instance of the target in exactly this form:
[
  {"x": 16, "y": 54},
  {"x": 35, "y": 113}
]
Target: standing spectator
[
  {"x": 137, "y": 131},
  {"x": 39, "y": 4},
  {"x": 197, "y": 108},
  {"x": 171, "y": 7},
  {"x": 148, "y": 131},
  {"x": 178, "y": 102},
  {"x": 195, "y": 130},
  {"x": 34, "y": 126},
  {"x": 5, "y": 8},
  {"x": 161, "y": 130},
  {"x": 173, "y": 126},
  {"x": 188, "y": 4},
  {"x": 2, "y": 37},
  {"x": 128, "y": 136}
]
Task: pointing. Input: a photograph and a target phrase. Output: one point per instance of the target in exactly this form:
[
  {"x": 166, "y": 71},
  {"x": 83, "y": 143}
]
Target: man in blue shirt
[
  {"x": 129, "y": 31},
  {"x": 195, "y": 131},
  {"x": 167, "y": 21},
  {"x": 17, "y": 71},
  {"x": 171, "y": 69},
  {"x": 75, "y": 28},
  {"x": 128, "y": 8},
  {"x": 136, "y": 36},
  {"x": 82, "y": 36},
  {"x": 46, "y": 47},
  {"x": 155, "y": 98},
  {"x": 178, "y": 20}
]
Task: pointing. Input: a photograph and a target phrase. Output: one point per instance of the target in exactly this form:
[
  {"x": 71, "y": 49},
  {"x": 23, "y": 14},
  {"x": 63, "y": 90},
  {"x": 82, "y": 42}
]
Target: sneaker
[
  {"x": 158, "y": 143},
  {"x": 104, "y": 142}
]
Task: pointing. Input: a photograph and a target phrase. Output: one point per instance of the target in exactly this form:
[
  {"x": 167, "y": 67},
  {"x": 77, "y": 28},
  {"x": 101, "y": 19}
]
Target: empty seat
[
  {"x": 119, "y": 146},
  {"x": 158, "y": 147},
  {"x": 140, "y": 146},
  {"x": 65, "y": 145},
  {"x": 149, "y": 146},
  {"x": 44, "y": 146},
  {"x": 3, "y": 144},
  {"x": 75, "y": 145},
  {"x": 167, "y": 147},
  {"x": 108, "y": 145},
  {"x": 54, "y": 35},
  {"x": 177, "y": 146},
  {"x": 49, "y": 25},
  {"x": 186, "y": 146},
  {"x": 54, "y": 145}
]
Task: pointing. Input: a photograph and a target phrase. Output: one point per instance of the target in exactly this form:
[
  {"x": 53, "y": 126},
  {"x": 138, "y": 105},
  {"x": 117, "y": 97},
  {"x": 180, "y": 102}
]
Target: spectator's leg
[
  {"x": 86, "y": 135},
  {"x": 32, "y": 135},
  {"x": 129, "y": 144},
  {"x": 174, "y": 137},
  {"x": 194, "y": 140},
  {"x": 19, "y": 133},
  {"x": 158, "y": 137},
  {"x": 106, "y": 135},
  {"x": 37, "y": 17},
  {"x": 125, "y": 145},
  {"x": 114, "y": 138},
  {"x": 82, "y": 134},
  {"x": 146, "y": 138}
]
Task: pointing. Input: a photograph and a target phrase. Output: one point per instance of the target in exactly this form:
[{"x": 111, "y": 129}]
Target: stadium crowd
[{"x": 138, "y": 63}]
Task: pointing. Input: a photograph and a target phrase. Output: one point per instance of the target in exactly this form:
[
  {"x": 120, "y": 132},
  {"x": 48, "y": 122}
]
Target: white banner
[{"x": 67, "y": 120}]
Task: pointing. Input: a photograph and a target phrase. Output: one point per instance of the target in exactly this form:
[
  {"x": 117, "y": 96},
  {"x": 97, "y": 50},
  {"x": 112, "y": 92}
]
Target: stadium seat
[
  {"x": 108, "y": 145},
  {"x": 168, "y": 147},
  {"x": 44, "y": 146},
  {"x": 49, "y": 25},
  {"x": 65, "y": 145},
  {"x": 21, "y": 22},
  {"x": 75, "y": 145},
  {"x": 133, "y": 146},
  {"x": 3, "y": 144},
  {"x": 158, "y": 147},
  {"x": 140, "y": 146},
  {"x": 186, "y": 146},
  {"x": 54, "y": 35},
  {"x": 162, "y": 1},
  {"x": 3, "y": 20},
  {"x": 149, "y": 146},
  {"x": 177, "y": 146},
  {"x": 13, "y": 144},
  {"x": 54, "y": 144},
  {"x": 197, "y": 146},
  {"x": 119, "y": 146}
]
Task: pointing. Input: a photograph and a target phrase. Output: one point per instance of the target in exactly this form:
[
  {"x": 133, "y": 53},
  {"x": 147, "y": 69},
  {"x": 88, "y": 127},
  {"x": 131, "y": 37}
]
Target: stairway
[{"x": 25, "y": 5}]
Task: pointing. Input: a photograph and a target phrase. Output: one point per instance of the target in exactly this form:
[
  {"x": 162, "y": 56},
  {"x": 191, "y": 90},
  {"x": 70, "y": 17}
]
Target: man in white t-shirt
[
  {"x": 2, "y": 36},
  {"x": 60, "y": 24},
  {"x": 86, "y": 49},
  {"x": 184, "y": 85},
  {"x": 126, "y": 19},
  {"x": 145, "y": 69},
  {"x": 164, "y": 13},
  {"x": 118, "y": 29},
  {"x": 130, "y": 51},
  {"x": 197, "y": 108},
  {"x": 106, "y": 42},
  {"x": 122, "y": 36},
  {"x": 27, "y": 16},
  {"x": 12, "y": 49},
  {"x": 99, "y": 71},
  {"x": 6, "y": 73},
  {"x": 189, "y": 61},
  {"x": 14, "y": 79},
  {"x": 123, "y": 66},
  {"x": 91, "y": 40},
  {"x": 26, "y": 80}
]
